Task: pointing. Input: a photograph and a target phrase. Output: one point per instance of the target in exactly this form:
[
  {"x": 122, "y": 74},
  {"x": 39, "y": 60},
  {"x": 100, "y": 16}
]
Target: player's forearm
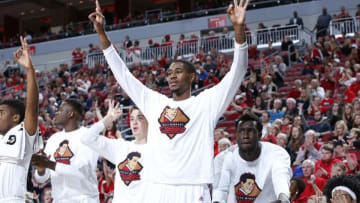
[
  {"x": 240, "y": 36},
  {"x": 104, "y": 40},
  {"x": 32, "y": 102}
]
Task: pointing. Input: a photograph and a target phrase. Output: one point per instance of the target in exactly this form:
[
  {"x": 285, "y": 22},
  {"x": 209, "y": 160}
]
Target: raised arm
[
  {"x": 226, "y": 89},
  {"x": 22, "y": 56},
  {"x": 132, "y": 86},
  {"x": 104, "y": 146}
]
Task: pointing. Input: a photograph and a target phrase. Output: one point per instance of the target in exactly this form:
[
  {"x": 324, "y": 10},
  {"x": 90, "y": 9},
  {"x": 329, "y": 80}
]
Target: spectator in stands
[
  {"x": 338, "y": 169},
  {"x": 316, "y": 89},
  {"x": 343, "y": 14},
  {"x": 235, "y": 110},
  {"x": 296, "y": 20},
  {"x": 219, "y": 133},
  {"x": 297, "y": 187},
  {"x": 342, "y": 153},
  {"x": 269, "y": 86},
  {"x": 265, "y": 118},
  {"x": 341, "y": 131},
  {"x": 334, "y": 114},
  {"x": 211, "y": 78},
  {"x": 322, "y": 23},
  {"x": 296, "y": 138},
  {"x": 276, "y": 112},
  {"x": 279, "y": 65},
  {"x": 270, "y": 49},
  {"x": 348, "y": 115},
  {"x": 357, "y": 14},
  {"x": 307, "y": 70},
  {"x": 342, "y": 189},
  {"x": 224, "y": 143},
  {"x": 308, "y": 149},
  {"x": 322, "y": 127},
  {"x": 324, "y": 165},
  {"x": 271, "y": 134},
  {"x": 291, "y": 107},
  {"x": 355, "y": 86},
  {"x": 127, "y": 42},
  {"x": 288, "y": 46},
  {"x": 282, "y": 141},
  {"x": 314, "y": 184},
  {"x": 209, "y": 64},
  {"x": 259, "y": 106}
]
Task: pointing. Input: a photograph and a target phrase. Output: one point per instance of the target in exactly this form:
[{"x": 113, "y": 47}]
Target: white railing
[
  {"x": 191, "y": 47},
  {"x": 349, "y": 25}
]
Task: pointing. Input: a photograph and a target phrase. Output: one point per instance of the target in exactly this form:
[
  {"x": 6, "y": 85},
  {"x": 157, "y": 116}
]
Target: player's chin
[{"x": 247, "y": 147}]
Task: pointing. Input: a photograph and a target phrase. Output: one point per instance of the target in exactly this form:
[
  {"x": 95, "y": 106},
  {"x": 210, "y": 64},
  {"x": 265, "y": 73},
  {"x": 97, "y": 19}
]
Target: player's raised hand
[
  {"x": 22, "y": 55},
  {"x": 97, "y": 18},
  {"x": 114, "y": 112},
  {"x": 237, "y": 12}
]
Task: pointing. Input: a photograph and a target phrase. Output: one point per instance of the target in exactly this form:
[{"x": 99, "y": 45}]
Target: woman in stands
[
  {"x": 334, "y": 114},
  {"x": 347, "y": 115},
  {"x": 296, "y": 138},
  {"x": 341, "y": 131},
  {"x": 259, "y": 106}
]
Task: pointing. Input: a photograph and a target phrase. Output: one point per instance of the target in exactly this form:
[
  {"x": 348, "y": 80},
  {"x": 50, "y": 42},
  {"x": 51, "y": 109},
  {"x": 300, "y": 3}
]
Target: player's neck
[
  {"x": 141, "y": 140},
  {"x": 182, "y": 96},
  {"x": 71, "y": 126},
  {"x": 251, "y": 155}
]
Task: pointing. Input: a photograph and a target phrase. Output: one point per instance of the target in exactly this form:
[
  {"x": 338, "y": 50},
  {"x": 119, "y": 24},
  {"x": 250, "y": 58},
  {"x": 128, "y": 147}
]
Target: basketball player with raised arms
[
  {"x": 180, "y": 137},
  {"x": 127, "y": 156},
  {"x": 19, "y": 137}
]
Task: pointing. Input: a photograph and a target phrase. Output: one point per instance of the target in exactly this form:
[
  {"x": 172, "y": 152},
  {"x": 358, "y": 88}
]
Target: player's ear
[{"x": 16, "y": 118}]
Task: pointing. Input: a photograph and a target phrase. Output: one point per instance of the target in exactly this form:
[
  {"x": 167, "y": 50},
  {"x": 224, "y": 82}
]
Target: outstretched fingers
[{"x": 246, "y": 4}]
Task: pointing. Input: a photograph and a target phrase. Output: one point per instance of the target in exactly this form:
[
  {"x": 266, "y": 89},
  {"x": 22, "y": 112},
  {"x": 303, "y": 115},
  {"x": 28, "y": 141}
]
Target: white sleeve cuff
[
  {"x": 240, "y": 46},
  {"x": 109, "y": 49}
]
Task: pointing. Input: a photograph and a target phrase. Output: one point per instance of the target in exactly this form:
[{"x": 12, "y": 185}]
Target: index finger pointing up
[{"x": 98, "y": 8}]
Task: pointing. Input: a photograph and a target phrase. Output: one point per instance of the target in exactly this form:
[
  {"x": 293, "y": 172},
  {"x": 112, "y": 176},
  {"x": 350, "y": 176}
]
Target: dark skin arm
[
  {"x": 236, "y": 14},
  {"x": 98, "y": 21},
  {"x": 41, "y": 162},
  {"x": 22, "y": 56}
]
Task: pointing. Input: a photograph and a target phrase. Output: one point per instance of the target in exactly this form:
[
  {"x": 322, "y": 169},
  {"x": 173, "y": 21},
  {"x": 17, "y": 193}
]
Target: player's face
[
  {"x": 340, "y": 196},
  {"x": 178, "y": 78},
  {"x": 5, "y": 119},
  {"x": 61, "y": 114},
  {"x": 138, "y": 123},
  {"x": 247, "y": 137},
  {"x": 248, "y": 186},
  {"x": 133, "y": 162}
]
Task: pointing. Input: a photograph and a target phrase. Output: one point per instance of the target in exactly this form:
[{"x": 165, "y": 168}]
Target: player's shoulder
[{"x": 271, "y": 149}]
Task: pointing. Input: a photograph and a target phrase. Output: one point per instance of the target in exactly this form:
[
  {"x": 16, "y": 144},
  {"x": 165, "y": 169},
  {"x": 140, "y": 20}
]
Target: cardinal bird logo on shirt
[
  {"x": 246, "y": 191},
  {"x": 63, "y": 154},
  {"x": 130, "y": 168},
  {"x": 172, "y": 121}
]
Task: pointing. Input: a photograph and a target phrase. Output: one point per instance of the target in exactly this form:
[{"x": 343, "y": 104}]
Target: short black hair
[
  {"x": 133, "y": 154},
  {"x": 300, "y": 185},
  {"x": 190, "y": 68},
  {"x": 349, "y": 181},
  {"x": 249, "y": 117},
  {"x": 246, "y": 176},
  {"x": 64, "y": 142},
  {"x": 16, "y": 106},
  {"x": 76, "y": 106}
]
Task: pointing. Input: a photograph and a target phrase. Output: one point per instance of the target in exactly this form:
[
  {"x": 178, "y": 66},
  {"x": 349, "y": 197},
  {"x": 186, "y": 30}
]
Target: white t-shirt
[
  {"x": 262, "y": 180},
  {"x": 16, "y": 149},
  {"x": 129, "y": 184},
  {"x": 180, "y": 134},
  {"x": 74, "y": 178}
]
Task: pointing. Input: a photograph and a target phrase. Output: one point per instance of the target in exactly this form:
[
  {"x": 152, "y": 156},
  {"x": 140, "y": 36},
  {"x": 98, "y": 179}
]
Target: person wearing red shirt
[
  {"x": 236, "y": 108},
  {"x": 211, "y": 78},
  {"x": 313, "y": 185},
  {"x": 295, "y": 92},
  {"x": 349, "y": 159},
  {"x": 323, "y": 166},
  {"x": 355, "y": 86}
]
